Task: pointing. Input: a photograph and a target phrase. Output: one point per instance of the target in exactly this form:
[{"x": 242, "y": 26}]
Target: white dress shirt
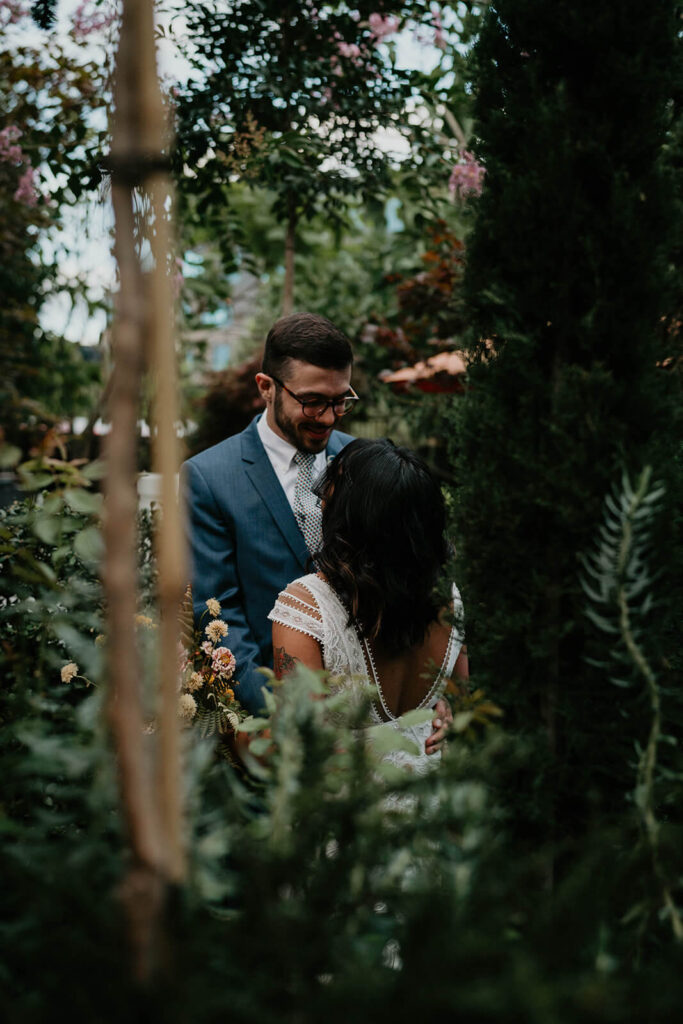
[{"x": 281, "y": 454}]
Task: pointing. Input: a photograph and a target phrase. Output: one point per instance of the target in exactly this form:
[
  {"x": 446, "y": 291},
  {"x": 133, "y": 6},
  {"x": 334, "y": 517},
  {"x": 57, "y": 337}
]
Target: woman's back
[
  {"x": 410, "y": 680},
  {"x": 405, "y": 681}
]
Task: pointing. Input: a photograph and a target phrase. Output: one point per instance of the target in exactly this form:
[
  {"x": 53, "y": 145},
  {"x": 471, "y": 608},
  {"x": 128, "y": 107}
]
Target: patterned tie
[{"x": 306, "y": 506}]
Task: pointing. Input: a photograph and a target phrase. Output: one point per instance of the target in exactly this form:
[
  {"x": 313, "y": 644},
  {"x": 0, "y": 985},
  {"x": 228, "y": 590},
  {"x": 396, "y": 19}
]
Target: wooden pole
[
  {"x": 142, "y": 309},
  {"x": 170, "y": 545}
]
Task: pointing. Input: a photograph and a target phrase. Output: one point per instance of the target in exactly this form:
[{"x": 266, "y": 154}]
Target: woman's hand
[
  {"x": 443, "y": 714},
  {"x": 440, "y": 726}
]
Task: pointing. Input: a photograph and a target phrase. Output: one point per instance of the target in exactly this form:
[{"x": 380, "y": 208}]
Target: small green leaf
[
  {"x": 34, "y": 481},
  {"x": 386, "y": 738},
  {"x": 53, "y": 504},
  {"x": 94, "y": 470},
  {"x": 83, "y": 501},
  {"x": 462, "y": 720},
  {"x": 416, "y": 717},
  {"x": 260, "y": 745},
  {"x": 9, "y": 456},
  {"x": 269, "y": 698},
  {"x": 89, "y": 544},
  {"x": 46, "y": 528},
  {"x": 253, "y": 724}
]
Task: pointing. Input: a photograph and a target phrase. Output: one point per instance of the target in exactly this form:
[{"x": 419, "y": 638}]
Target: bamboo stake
[
  {"x": 137, "y": 154},
  {"x": 172, "y": 573},
  {"x": 120, "y": 561}
]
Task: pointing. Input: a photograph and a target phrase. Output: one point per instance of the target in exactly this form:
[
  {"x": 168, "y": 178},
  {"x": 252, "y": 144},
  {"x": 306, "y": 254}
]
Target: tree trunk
[{"x": 288, "y": 292}]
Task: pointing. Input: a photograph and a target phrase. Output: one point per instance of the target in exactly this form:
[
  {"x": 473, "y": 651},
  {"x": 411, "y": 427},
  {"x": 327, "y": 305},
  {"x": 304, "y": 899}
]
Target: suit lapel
[{"x": 262, "y": 476}]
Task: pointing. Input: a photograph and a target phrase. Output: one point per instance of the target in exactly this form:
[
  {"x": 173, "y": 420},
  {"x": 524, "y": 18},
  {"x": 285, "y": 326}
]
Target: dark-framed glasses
[{"x": 316, "y": 405}]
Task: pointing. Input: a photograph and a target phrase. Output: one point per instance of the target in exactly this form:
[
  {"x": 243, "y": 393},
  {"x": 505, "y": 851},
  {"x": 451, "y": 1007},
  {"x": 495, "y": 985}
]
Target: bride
[{"x": 370, "y": 610}]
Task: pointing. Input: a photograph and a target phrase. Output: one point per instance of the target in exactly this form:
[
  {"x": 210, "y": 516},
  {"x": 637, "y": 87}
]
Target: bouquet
[{"x": 206, "y": 671}]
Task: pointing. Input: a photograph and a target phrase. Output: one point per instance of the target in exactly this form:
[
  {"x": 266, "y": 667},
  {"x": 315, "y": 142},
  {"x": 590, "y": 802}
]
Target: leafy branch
[{"x": 619, "y": 584}]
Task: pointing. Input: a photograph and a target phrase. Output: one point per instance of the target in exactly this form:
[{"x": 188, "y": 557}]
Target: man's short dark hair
[{"x": 309, "y": 337}]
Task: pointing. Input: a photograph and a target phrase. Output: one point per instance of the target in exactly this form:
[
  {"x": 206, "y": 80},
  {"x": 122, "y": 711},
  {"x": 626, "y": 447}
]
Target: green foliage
[
  {"x": 50, "y": 595},
  {"x": 276, "y": 106},
  {"x": 52, "y": 102},
  {"x": 619, "y": 586},
  {"x": 328, "y": 884},
  {"x": 274, "y": 98},
  {"x": 228, "y": 406},
  {"x": 44, "y": 12},
  {"x": 567, "y": 277},
  {"x": 525, "y": 880},
  {"x": 329, "y": 889},
  {"x": 51, "y": 603}
]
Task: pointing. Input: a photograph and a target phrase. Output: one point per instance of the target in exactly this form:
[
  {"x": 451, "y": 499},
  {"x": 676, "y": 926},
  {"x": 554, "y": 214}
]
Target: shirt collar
[{"x": 281, "y": 451}]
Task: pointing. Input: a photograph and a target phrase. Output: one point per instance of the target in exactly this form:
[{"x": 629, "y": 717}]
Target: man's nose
[{"x": 328, "y": 417}]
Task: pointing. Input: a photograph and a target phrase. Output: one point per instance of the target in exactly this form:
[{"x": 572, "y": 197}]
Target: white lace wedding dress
[{"x": 325, "y": 619}]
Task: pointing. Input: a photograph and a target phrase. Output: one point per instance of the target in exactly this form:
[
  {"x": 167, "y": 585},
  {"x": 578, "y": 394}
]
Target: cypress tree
[{"x": 568, "y": 281}]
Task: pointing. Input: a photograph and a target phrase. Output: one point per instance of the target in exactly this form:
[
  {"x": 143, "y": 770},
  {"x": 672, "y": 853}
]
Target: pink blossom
[
  {"x": 26, "y": 192},
  {"x": 439, "y": 38},
  {"x": 350, "y": 50},
  {"x": 381, "y": 26},
  {"x": 467, "y": 176},
  {"x": 12, "y": 11},
  {"x": 88, "y": 19},
  {"x": 223, "y": 662},
  {"x": 8, "y": 151},
  {"x": 207, "y": 648}
]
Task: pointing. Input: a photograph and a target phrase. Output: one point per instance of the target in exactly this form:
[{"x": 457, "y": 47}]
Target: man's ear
[{"x": 265, "y": 385}]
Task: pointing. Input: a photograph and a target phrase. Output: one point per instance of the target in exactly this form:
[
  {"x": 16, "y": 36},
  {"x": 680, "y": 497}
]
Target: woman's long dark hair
[{"x": 383, "y": 542}]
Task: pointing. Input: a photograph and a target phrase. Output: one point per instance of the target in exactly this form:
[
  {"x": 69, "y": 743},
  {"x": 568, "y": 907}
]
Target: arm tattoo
[{"x": 284, "y": 662}]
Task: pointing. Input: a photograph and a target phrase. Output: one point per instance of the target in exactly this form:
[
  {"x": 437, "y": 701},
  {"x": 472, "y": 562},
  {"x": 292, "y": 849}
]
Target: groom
[{"x": 253, "y": 516}]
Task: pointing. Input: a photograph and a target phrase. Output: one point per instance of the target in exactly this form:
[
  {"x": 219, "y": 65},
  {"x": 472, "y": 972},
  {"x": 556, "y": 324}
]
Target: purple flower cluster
[
  {"x": 12, "y": 153},
  {"x": 88, "y": 19},
  {"x": 12, "y": 11},
  {"x": 467, "y": 176},
  {"x": 9, "y": 151},
  {"x": 382, "y": 26}
]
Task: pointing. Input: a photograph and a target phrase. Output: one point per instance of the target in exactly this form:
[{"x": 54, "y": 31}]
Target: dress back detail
[{"x": 326, "y": 620}]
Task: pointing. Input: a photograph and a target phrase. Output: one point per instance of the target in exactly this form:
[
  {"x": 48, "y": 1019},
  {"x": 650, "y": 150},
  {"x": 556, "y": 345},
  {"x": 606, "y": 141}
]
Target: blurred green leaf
[
  {"x": 89, "y": 544},
  {"x": 252, "y": 724},
  {"x": 47, "y": 528},
  {"x": 9, "y": 456},
  {"x": 34, "y": 481},
  {"x": 259, "y": 746},
  {"x": 83, "y": 501},
  {"x": 94, "y": 470}
]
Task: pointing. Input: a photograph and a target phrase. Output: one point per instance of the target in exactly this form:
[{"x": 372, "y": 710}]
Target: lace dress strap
[
  {"x": 293, "y": 611},
  {"x": 456, "y": 638},
  {"x": 326, "y": 620}
]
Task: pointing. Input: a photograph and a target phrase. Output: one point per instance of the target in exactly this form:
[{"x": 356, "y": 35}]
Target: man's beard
[{"x": 299, "y": 433}]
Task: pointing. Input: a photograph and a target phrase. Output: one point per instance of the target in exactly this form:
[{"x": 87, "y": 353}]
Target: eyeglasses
[{"x": 316, "y": 406}]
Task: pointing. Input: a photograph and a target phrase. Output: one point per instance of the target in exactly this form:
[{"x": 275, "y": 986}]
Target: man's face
[{"x": 285, "y": 415}]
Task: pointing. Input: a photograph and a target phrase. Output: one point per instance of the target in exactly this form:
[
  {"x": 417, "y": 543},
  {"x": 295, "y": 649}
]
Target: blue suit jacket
[{"x": 246, "y": 545}]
